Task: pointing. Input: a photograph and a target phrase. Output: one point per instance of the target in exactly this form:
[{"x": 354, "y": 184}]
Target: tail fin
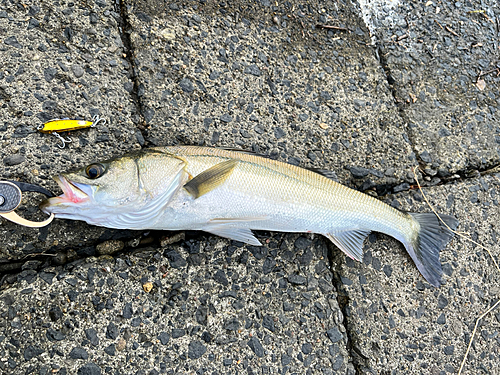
[{"x": 432, "y": 238}]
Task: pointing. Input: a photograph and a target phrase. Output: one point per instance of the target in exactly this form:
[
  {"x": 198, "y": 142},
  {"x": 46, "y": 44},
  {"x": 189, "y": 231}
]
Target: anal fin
[{"x": 350, "y": 242}]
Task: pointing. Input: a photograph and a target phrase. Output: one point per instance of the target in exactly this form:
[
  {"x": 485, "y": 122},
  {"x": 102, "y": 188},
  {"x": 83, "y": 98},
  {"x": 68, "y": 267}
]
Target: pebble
[
  {"x": 334, "y": 335},
  {"x": 196, "y": 349},
  {"x": 89, "y": 369},
  {"x": 15, "y": 159},
  {"x": 78, "y": 353},
  {"x": 121, "y": 344},
  {"x": 186, "y": 85},
  {"x": 256, "y": 347},
  {"x": 109, "y": 247}
]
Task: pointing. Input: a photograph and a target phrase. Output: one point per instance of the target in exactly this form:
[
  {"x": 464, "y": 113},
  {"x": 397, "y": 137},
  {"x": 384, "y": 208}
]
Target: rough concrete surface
[
  {"x": 367, "y": 101},
  {"x": 59, "y": 60},
  {"x": 399, "y": 322},
  {"x": 442, "y": 59}
]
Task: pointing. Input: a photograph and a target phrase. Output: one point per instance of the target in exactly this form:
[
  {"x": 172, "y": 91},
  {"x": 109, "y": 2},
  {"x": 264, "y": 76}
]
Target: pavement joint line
[
  {"x": 343, "y": 301},
  {"x": 124, "y": 27}
]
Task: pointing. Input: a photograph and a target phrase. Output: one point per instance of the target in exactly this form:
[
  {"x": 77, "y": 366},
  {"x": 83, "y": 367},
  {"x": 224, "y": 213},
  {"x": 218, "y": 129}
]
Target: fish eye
[{"x": 94, "y": 171}]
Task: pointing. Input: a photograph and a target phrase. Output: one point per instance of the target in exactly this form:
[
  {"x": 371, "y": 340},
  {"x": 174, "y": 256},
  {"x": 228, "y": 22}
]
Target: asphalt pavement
[{"x": 366, "y": 90}]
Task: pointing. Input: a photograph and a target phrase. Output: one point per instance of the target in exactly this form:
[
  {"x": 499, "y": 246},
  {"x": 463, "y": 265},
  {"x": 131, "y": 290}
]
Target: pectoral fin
[
  {"x": 350, "y": 242},
  {"x": 210, "y": 179},
  {"x": 238, "y": 234}
]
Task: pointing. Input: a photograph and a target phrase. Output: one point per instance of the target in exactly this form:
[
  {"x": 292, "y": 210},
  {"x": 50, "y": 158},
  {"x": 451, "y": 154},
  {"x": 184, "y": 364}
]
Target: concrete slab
[
  {"x": 398, "y": 322},
  {"x": 204, "y": 306},
  {"x": 442, "y": 59},
  {"x": 59, "y": 60},
  {"x": 262, "y": 77}
]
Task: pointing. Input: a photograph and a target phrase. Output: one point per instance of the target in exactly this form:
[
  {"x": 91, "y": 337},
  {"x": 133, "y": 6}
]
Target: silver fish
[{"x": 231, "y": 193}]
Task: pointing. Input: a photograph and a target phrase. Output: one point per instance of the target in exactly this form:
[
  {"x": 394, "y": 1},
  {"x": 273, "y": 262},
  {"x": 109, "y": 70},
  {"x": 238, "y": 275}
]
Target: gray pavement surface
[{"x": 391, "y": 87}]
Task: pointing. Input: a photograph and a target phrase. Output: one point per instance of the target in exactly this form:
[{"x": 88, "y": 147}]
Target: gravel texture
[
  {"x": 262, "y": 77},
  {"x": 227, "y": 306},
  {"x": 369, "y": 102},
  {"x": 435, "y": 54},
  {"x": 56, "y": 63},
  {"x": 399, "y": 322}
]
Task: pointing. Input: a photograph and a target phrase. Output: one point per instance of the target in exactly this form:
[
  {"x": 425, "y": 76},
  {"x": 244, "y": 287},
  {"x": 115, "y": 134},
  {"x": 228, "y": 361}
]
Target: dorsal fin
[
  {"x": 211, "y": 178},
  {"x": 325, "y": 173}
]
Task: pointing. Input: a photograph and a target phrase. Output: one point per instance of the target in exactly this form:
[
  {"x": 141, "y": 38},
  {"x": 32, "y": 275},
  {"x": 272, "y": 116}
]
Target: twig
[
  {"x": 474, "y": 333},
  {"x": 450, "y": 30},
  {"x": 333, "y": 27},
  {"x": 442, "y": 28},
  {"x": 488, "y": 72}
]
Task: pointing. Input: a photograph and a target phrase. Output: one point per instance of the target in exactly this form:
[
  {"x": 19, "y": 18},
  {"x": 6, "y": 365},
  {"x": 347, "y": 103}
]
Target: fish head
[{"x": 95, "y": 191}]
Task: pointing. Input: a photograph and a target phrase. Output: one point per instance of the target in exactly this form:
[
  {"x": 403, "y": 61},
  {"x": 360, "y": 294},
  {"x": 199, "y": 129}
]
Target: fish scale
[{"x": 230, "y": 193}]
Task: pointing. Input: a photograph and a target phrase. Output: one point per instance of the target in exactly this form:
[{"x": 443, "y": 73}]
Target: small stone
[
  {"x": 256, "y": 346},
  {"x": 254, "y": 70},
  {"x": 178, "y": 332},
  {"x": 89, "y": 369},
  {"x": 297, "y": 279},
  {"x": 127, "y": 311},
  {"x": 359, "y": 172},
  {"x": 268, "y": 265},
  {"x": 232, "y": 324},
  {"x": 221, "y": 278},
  {"x": 306, "y": 348},
  {"x": 77, "y": 70},
  {"x": 334, "y": 334},
  {"x": 112, "y": 331},
  {"x": 78, "y": 353},
  {"x": 12, "y": 41},
  {"x": 426, "y": 157},
  {"x": 110, "y": 350},
  {"x": 175, "y": 259},
  {"x": 121, "y": 344},
  {"x": 268, "y": 323},
  {"x": 55, "y": 313},
  {"x": 448, "y": 350},
  {"x": 15, "y": 159},
  {"x": 186, "y": 85},
  {"x": 442, "y": 302},
  {"x": 441, "y": 319},
  {"x": 109, "y": 247},
  {"x": 196, "y": 349},
  {"x": 49, "y": 73},
  {"x": 53, "y": 335},
  {"x": 147, "y": 286},
  {"x": 31, "y": 352},
  {"x": 91, "y": 335},
  {"x": 164, "y": 338},
  {"x": 226, "y": 118}
]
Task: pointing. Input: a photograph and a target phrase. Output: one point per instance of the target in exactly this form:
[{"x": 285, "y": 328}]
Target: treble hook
[
  {"x": 96, "y": 119},
  {"x": 62, "y": 139}
]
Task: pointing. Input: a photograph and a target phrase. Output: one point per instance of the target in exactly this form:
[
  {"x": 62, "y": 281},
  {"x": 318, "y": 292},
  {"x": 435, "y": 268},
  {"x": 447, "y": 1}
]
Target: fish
[{"x": 230, "y": 193}]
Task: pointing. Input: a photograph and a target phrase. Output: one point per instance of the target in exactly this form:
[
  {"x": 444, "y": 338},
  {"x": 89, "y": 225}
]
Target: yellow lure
[{"x": 64, "y": 125}]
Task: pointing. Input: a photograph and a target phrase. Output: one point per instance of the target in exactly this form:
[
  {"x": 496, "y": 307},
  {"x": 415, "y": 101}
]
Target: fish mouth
[{"x": 73, "y": 193}]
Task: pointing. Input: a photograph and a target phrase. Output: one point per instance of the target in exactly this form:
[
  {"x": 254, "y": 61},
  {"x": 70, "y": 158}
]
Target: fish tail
[{"x": 432, "y": 237}]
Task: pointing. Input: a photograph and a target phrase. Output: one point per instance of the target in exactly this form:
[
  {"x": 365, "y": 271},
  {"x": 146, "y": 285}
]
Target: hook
[
  {"x": 62, "y": 139},
  {"x": 96, "y": 119}
]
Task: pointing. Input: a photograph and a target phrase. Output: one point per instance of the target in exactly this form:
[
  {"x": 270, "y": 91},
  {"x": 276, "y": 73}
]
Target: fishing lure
[
  {"x": 10, "y": 198},
  {"x": 57, "y": 126}
]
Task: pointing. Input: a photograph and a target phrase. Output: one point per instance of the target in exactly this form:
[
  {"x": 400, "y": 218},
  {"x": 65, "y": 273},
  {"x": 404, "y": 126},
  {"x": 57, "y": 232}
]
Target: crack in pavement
[{"x": 124, "y": 28}]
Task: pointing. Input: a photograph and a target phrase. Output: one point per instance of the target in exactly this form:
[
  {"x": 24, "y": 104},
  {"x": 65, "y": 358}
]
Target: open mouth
[{"x": 73, "y": 192}]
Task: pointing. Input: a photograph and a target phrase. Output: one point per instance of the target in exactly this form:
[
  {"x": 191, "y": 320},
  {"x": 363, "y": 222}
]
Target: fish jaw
[{"x": 74, "y": 195}]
